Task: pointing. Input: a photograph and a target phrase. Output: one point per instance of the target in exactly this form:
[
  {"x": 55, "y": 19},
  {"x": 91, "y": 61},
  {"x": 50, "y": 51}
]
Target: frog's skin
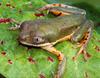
[{"x": 71, "y": 24}]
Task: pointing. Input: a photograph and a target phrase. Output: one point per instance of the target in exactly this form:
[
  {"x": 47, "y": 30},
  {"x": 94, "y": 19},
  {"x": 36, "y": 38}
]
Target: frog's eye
[{"x": 38, "y": 40}]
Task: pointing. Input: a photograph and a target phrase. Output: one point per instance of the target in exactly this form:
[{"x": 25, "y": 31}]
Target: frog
[{"x": 70, "y": 24}]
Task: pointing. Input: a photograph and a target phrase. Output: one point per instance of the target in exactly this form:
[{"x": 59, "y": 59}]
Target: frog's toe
[
  {"x": 82, "y": 51},
  {"x": 14, "y": 28},
  {"x": 86, "y": 55},
  {"x": 61, "y": 68}
]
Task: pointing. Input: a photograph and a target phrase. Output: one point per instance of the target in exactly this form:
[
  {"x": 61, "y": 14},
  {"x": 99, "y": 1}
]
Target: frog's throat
[{"x": 36, "y": 45}]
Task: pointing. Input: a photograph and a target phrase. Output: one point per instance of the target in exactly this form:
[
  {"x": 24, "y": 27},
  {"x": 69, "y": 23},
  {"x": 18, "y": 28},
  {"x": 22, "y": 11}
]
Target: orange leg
[
  {"x": 52, "y": 5},
  {"x": 83, "y": 45},
  {"x": 61, "y": 58},
  {"x": 83, "y": 35},
  {"x": 66, "y": 9}
]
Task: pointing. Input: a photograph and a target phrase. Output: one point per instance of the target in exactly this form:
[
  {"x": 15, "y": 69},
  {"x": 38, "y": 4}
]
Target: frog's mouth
[{"x": 35, "y": 45}]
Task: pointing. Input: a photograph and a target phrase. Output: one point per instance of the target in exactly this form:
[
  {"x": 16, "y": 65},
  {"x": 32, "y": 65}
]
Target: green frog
[{"x": 70, "y": 24}]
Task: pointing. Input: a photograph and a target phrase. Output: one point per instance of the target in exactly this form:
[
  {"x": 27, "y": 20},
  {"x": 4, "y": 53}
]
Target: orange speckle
[
  {"x": 88, "y": 55},
  {"x": 31, "y": 60},
  {"x": 41, "y": 76},
  {"x": 50, "y": 59},
  {"x": 97, "y": 48},
  {"x": 38, "y": 15},
  {"x": 74, "y": 58},
  {"x": 3, "y": 53},
  {"x": 9, "y": 61},
  {"x": 4, "y": 20},
  {"x": 8, "y": 4}
]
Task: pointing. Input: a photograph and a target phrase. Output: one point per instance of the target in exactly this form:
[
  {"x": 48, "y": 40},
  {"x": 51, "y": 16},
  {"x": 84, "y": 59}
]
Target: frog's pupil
[{"x": 37, "y": 39}]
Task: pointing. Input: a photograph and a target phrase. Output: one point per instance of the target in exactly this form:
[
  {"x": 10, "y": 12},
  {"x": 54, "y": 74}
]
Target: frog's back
[
  {"x": 53, "y": 29},
  {"x": 60, "y": 27},
  {"x": 67, "y": 24}
]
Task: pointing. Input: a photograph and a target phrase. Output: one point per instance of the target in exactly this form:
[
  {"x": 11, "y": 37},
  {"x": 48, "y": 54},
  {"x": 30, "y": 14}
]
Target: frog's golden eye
[{"x": 38, "y": 40}]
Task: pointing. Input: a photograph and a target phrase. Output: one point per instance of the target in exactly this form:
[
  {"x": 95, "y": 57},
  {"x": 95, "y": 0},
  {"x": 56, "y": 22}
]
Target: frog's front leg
[
  {"x": 83, "y": 35},
  {"x": 61, "y": 58},
  {"x": 61, "y": 9},
  {"x": 17, "y": 25}
]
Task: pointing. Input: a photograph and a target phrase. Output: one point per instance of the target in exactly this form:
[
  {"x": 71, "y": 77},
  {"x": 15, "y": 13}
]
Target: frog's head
[
  {"x": 31, "y": 34},
  {"x": 32, "y": 38}
]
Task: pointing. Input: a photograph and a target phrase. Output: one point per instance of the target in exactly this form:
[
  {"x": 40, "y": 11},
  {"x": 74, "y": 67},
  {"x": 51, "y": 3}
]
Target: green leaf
[{"x": 18, "y": 61}]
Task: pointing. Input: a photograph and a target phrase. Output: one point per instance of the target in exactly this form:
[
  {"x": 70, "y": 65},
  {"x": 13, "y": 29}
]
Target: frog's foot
[
  {"x": 83, "y": 44},
  {"x": 61, "y": 58},
  {"x": 61, "y": 68},
  {"x": 81, "y": 51},
  {"x": 15, "y": 27}
]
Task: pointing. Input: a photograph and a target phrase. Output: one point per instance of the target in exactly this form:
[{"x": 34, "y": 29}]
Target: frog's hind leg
[
  {"x": 61, "y": 9},
  {"x": 61, "y": 58},
  {"x": 84, "y": 31},
  {"x": 51, "y": 9},
  {"x": 48, "y": 6}
]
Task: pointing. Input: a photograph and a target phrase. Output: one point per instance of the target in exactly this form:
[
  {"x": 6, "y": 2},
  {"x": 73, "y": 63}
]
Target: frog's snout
[
  {"x": 25, "y": 38},
  {"x": 21, "y": 38}
]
